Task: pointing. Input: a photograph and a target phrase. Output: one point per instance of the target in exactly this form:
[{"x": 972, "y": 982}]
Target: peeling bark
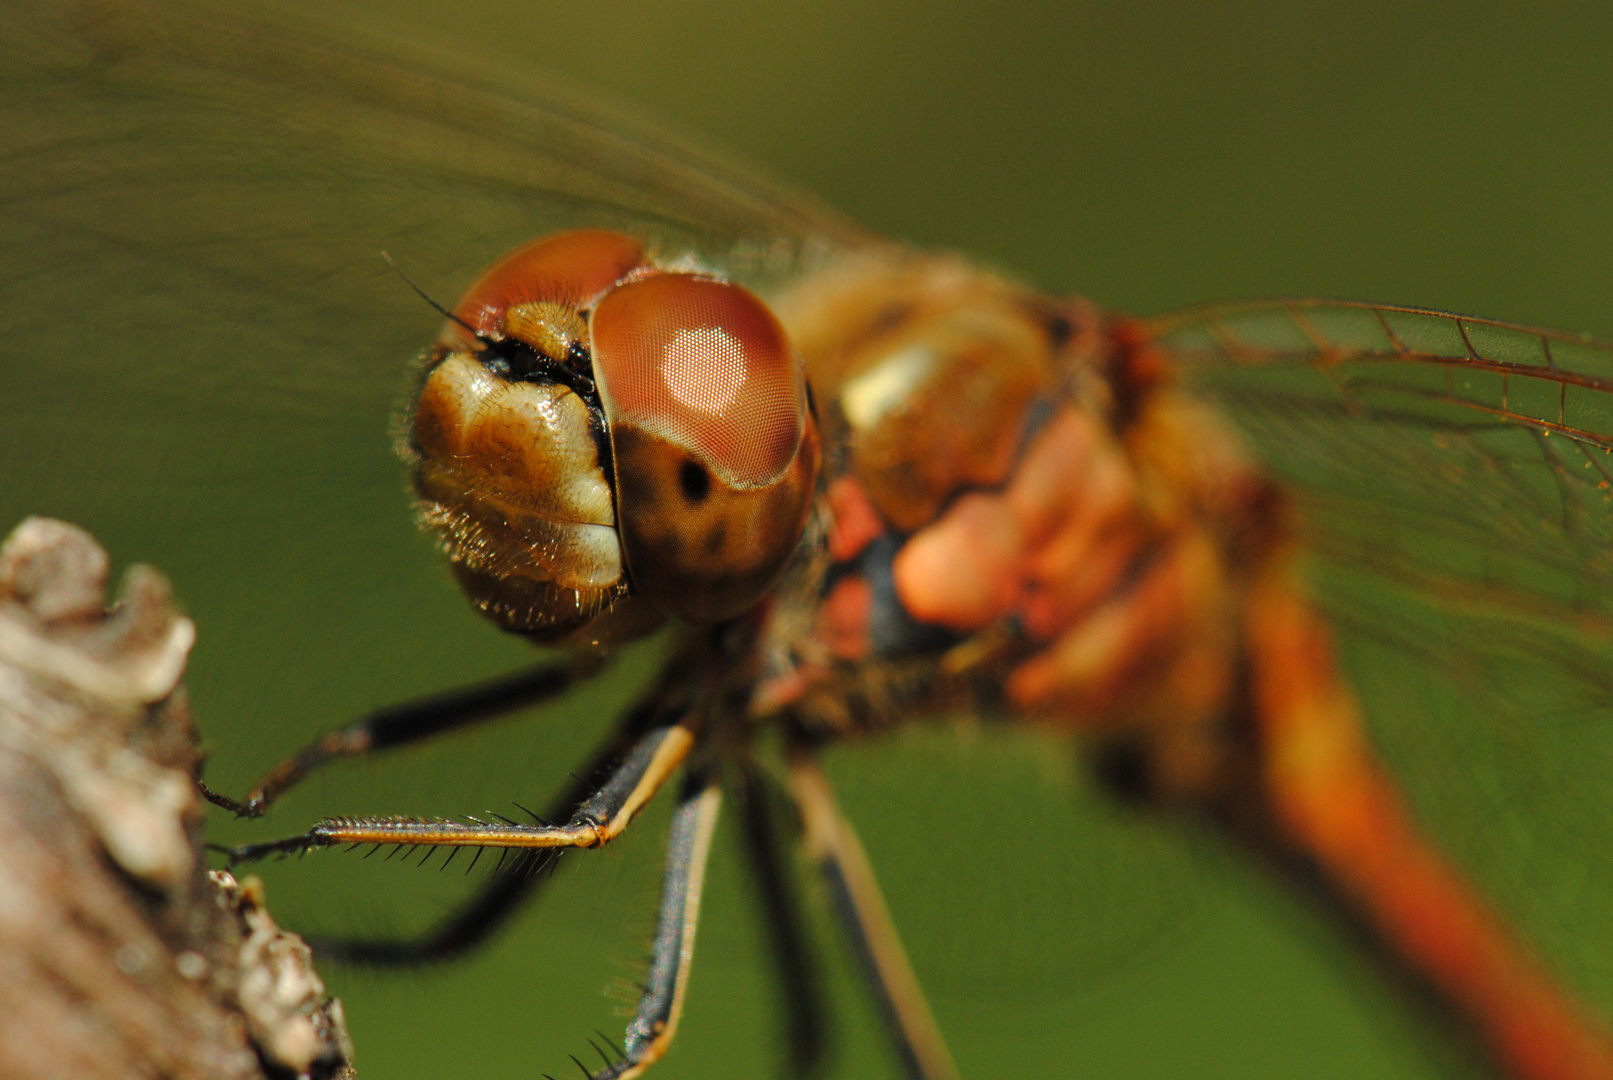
[{"x": 121, "y": 954}]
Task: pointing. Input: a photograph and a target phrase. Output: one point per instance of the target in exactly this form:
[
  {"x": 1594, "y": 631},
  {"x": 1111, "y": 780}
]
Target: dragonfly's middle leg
[{"x": 483, "y": 914}]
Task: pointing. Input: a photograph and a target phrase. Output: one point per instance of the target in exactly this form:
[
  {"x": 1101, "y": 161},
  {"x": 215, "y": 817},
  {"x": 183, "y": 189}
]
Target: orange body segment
[{"x": 1335, "y": 804}]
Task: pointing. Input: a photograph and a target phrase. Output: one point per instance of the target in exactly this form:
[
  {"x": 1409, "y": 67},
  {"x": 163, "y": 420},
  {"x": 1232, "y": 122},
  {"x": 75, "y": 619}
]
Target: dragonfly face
[
  {"x": 1304, "y": 389},
  {"x": 593, "y": 418}
]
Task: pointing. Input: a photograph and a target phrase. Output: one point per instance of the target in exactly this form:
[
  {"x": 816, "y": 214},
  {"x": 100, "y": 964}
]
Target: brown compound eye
[{"x": 715, "y": 451}]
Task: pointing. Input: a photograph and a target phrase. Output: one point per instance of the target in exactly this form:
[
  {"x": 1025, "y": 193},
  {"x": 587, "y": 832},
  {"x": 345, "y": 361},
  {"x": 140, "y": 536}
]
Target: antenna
[{"x": 421, "y": 293}]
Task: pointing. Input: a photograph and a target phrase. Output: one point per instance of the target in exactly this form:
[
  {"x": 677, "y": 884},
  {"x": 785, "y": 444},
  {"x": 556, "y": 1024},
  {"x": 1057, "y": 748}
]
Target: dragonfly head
[{"x": 594, "y": 435}]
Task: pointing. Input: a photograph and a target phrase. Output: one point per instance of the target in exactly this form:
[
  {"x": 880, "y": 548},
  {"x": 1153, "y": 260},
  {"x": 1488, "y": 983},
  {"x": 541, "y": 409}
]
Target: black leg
[
  {"x": 600, "y": 819},
  {"x": 411, "y": 722},
  {"x": 798, "y": 975},
  {"x": 661, "y": 1003},
  {"x": 862, "y": 911}
]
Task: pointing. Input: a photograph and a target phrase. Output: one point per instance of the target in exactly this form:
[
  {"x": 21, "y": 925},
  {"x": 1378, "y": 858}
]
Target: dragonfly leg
[
  {"x": 599, "y": 819},
  {"x": 661, "y": 1003},
  {"x": 481, "y": 916},
  {"x": 862, "y": 910},
  {"x": 802, "y": 992},
  {"x": 411, "y": 722}
]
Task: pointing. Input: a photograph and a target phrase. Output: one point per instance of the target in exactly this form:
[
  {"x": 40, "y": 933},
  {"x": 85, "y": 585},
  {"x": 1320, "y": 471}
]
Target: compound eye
[
  {"x": 565, "y": 270},
  {"x": 715, "y": 451},
  {"x": 704, "y": 365}
]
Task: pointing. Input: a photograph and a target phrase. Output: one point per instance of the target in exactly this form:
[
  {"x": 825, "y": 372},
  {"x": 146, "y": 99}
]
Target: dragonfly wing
[
  {"x": 176, "y": 97},
  {"x": 1453, "y": 480},
  {"x": 196, "y": 201},
  {"x": 204, "y": 351}
]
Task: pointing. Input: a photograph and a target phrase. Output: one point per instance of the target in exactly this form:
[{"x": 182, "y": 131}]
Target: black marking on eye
[
  {"x": 694, "y": 480},
  {"x": 716, "y": 540}
]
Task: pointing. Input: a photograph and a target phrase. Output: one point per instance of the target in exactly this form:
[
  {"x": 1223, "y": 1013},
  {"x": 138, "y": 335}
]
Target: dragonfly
[{"x": 1254, "y": 491}]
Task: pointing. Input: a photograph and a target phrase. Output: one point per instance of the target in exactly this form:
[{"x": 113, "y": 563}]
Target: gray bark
[{"x": 121, "y": 954}]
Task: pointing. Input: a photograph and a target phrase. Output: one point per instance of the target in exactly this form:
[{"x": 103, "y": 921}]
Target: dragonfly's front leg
[
  {"x": 482, "y": 915},
  {"x": 600, "y": 819}
]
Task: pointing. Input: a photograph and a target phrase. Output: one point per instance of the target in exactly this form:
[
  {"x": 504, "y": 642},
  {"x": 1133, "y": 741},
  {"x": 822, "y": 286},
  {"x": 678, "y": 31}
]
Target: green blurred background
[{"x": 1148, "y": 155}]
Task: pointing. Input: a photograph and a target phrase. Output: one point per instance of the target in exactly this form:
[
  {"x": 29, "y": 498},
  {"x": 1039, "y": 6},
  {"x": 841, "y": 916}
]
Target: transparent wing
[
  {"x": 178, "y": 100},
  {"x": 210, "y": 191},
  {"x": 194, "y": 202},
  {"x": 201, "y": 362},
  {"x": 204, "y": 346},
  {"x": 1454, "y": 481},
  {"x": 201, "y": 357},
  {"x": 1482, "y": 436}
]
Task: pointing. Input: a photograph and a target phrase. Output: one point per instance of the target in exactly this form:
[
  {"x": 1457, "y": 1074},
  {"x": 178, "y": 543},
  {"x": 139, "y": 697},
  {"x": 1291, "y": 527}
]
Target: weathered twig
[{"x": 121, "y": 955}]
